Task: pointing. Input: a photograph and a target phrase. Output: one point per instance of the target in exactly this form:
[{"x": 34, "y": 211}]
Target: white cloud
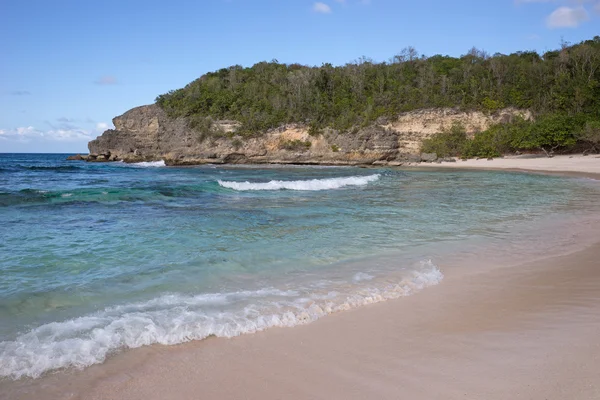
[
  {"x": 102, "y": 126},
  {"x": 597, "y": 7},
  {"x": 321, "y": 8},
  {"x": 29, "y": 134},
  {"x": 567, "y": 17}
]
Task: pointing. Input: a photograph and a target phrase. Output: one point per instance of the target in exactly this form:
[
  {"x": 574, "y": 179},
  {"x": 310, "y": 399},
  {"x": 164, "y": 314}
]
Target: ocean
[{"x": 100, "y": 258}]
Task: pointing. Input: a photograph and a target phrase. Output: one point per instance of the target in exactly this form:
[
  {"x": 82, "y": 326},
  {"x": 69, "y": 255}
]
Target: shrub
[
  {"x": 295, "y": 145},
  {"x": 590, "y": 136},
  {"x": 448, "y": 143}
]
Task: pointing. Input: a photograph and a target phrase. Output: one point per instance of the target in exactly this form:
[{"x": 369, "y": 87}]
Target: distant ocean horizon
[{"x": 97, "y": 258}]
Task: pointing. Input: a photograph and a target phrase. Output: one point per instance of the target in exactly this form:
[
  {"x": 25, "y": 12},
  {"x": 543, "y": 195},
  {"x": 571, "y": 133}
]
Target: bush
[
  {"x": 448, "y": 143},
  {"x": 590, "y": 136},
  {"x": 295, "y": 145},
  {"x": 551, "y": 132}
]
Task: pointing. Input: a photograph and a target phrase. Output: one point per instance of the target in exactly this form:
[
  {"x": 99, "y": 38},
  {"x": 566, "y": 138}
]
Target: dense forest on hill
[{"x": 561, "y": 88}]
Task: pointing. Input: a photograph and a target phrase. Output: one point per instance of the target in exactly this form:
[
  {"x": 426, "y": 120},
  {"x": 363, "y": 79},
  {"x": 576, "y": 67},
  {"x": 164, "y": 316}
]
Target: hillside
[{"x": 525, "y": 100}]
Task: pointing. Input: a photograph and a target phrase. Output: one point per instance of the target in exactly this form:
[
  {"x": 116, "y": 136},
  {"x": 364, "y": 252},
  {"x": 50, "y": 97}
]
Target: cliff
[{"x": 146, "y": 133}]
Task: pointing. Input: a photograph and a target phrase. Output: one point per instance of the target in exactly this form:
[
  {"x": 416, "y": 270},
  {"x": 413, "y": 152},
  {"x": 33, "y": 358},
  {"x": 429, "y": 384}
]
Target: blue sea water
[{"x": 97, "y": 258}]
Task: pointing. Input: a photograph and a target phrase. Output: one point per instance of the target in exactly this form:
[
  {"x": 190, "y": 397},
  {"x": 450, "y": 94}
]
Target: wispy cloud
[
  {"x": 102, "y": 126},
  {"x": 567, "y": 17},
  {"x": 106, "y": 80},
  {"x": 20, "y": 93},
  {"x": 29, "y": 134},
  {"x": 321, "y": 8},
  {"x": 65, "y": 132}
]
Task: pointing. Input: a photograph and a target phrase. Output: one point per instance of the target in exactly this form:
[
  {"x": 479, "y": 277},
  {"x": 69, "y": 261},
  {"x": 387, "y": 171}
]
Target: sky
[{"x": 67, "y": 67}]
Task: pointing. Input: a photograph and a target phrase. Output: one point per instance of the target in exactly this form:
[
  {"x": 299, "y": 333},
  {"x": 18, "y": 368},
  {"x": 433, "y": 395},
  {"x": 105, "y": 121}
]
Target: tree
[
  {"x": 550, "y": 133},
  {"x": 590, "y": 135}
]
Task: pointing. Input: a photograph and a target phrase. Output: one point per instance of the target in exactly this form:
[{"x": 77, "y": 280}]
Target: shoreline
[
  {"x": 528, "y": 331},
  {"x": 464, "y": 304},
  {"x": 495, "y": 332},
  {"x": 575, "y": 165}
]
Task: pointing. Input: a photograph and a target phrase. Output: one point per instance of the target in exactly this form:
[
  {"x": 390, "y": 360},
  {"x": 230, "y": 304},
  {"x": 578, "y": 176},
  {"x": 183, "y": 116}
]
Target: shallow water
[{"x": 95, "y": 258}]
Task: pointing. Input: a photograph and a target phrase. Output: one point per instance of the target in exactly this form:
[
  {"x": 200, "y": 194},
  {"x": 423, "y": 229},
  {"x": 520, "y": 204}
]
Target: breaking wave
[
  {"x": 312, "y": 184},
  {"x": 149, "y": 164},
  {"x": 177, "y": 318}
]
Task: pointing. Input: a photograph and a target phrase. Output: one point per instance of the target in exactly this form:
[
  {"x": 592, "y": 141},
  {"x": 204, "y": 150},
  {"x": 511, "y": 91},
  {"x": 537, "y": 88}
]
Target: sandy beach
[
  {"x": 527, "y": 331},
  {"x": 564, "y": 164}
]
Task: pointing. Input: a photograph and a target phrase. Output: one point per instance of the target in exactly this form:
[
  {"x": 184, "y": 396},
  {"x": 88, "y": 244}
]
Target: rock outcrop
[{"x": 146, "y": 133}]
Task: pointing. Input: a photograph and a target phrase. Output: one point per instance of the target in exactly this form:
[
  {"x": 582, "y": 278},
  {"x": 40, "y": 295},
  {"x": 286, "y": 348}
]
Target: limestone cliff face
[{"x": 146, "y": 134}]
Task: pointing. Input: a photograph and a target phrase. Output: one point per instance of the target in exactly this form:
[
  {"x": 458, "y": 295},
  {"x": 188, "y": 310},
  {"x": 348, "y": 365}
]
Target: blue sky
[{"x": 69, "y": 66}]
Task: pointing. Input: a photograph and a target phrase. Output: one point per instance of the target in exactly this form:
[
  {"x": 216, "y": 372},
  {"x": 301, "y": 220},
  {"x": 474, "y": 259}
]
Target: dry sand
[
  {"x": 530, "y": 331},
  {"x": 582, "y": 165}
]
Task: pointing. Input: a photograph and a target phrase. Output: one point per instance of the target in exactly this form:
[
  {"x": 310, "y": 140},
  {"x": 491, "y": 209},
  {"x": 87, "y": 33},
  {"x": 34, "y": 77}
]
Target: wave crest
[
  {"x": 149, "y": 164},
  {"x": 307, "y": 185},
  {"x": 173, "y": 319}
]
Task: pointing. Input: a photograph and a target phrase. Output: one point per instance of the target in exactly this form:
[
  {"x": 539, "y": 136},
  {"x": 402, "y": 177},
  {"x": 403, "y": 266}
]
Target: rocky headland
[{"x": 147, "y": 133}]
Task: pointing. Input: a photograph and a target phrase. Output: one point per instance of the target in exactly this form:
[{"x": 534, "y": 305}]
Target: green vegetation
[
  {"x": 547, "y": 133},
  {"x": 560, "y": 87},
  {"x": 295, "y": 145},
  {"x": 448, "y": 143}
]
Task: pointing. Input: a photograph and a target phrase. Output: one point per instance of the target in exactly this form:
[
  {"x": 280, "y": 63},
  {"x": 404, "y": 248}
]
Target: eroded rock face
[{"x": 146, "y": 133}]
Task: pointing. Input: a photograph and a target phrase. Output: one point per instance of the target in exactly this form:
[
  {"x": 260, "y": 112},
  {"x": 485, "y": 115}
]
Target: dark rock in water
[
  {"x": 428, "y": 157},
  {"x": 76, "y": 157}
]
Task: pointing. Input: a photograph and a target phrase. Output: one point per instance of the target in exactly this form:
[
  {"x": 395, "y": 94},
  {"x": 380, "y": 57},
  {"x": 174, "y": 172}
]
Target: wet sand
[{"x": 523, "y": 332}]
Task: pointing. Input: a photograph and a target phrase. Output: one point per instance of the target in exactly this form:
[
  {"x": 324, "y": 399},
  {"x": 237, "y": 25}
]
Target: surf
[
  {"x": 301, "y": 185},
  {"x": 178, "y": 318}
]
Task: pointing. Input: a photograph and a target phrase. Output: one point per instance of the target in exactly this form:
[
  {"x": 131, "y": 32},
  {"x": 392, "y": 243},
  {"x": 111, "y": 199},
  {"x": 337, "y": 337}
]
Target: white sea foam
[
  {"x": 361, "y": 276},
  {"x": 149, "y": 164},
  {"x": 312, "y": 184},
  {"x": 176, "y": 318}
]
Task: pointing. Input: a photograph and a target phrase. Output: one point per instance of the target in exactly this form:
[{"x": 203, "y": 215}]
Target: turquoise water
[{"x": 96, "y": 258}]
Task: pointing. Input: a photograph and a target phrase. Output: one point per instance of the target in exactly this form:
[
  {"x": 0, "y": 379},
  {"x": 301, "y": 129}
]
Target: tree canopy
[{"x": 563, "y": 83}]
